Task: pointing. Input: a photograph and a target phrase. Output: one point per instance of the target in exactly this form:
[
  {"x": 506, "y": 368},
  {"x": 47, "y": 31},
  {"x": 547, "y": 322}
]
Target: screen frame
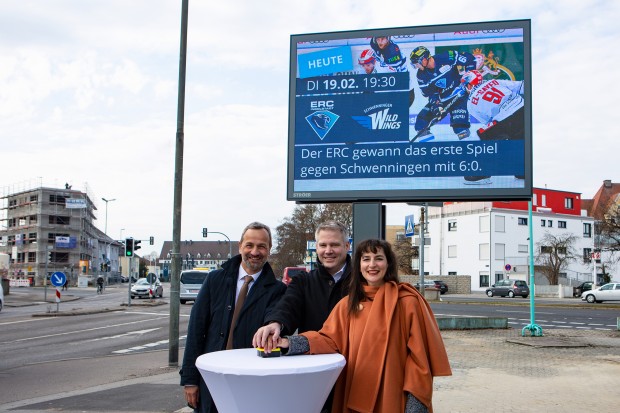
[{"x": 412, "y": 195}]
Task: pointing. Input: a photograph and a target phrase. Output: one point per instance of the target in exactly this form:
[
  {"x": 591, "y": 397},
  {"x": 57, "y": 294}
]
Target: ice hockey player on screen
[
  {"x": 368, "y": 61},
  {"x": 388, "y": 53},
  {"x": 439, "y": 78},
  {"x": 390, "y": 57},
  {"x": 498, "y": 104}
]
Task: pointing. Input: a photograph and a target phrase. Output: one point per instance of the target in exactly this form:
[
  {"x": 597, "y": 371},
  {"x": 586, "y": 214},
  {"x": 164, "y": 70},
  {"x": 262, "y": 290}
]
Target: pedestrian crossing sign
[{"x": 409, "y": 226}]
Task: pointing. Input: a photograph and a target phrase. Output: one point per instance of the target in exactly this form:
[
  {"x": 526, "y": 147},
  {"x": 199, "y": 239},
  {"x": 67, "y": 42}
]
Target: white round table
[{"x": 242, "y": 382}]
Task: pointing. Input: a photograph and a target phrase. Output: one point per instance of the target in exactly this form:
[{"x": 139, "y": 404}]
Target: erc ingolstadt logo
[{"x": 322, "y": 122}]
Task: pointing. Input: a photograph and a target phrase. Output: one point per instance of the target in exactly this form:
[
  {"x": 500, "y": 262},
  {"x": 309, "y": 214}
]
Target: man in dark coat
[
  {"x": 212, "y": 313},
  {"x": 310, "y": 298}
]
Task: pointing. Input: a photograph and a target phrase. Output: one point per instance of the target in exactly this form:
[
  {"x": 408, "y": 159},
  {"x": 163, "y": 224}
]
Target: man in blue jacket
[{"x": 212, "y": 314}]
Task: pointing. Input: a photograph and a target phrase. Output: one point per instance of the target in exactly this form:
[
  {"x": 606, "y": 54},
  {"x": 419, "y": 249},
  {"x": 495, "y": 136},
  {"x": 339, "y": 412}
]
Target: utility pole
[{"x": 175, "y": 284}]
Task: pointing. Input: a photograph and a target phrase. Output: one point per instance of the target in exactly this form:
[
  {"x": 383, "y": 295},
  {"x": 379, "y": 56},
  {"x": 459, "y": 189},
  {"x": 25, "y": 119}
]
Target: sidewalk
[{"x": 494, "y": 370}]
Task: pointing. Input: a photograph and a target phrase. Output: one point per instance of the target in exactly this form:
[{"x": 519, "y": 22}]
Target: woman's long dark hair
[{"x": 357, "y": 281}]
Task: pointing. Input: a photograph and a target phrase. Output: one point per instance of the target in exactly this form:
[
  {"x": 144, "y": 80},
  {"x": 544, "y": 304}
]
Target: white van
[{"x": 191, "y": 281}]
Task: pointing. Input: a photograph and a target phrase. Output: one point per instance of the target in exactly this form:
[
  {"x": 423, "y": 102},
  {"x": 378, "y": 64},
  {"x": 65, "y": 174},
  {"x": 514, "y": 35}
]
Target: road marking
[
  {"x": 25, "y": 321},
  {"x": 145, "y": 346},
  {"x": 131, "y": 333},
  {"x": 78, "y": 331}
]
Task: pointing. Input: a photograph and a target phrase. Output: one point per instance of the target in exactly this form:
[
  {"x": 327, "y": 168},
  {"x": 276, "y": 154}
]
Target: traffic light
[
  {"x": 136, "y": 244},
  {"x": 129, "y": 247},
  {"x": 50, "y": 256},
  {"x": 204, "y": 233},
  {"x": 152, "y": 240}
]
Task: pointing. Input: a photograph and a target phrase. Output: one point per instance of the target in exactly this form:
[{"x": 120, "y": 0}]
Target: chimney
[{"x": 607, "y": 183}]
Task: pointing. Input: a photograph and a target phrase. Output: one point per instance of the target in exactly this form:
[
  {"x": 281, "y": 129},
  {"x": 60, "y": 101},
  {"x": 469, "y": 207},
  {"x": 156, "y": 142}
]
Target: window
[
  {"x": 522, "y": 221},
  {"x": 498, "y": 277},
  {"x": 587, "y": 253},
  {"x": 452, "y": 225},
  {"x": 544, "y": 200},
  {"x": 587, "y": 230},
  {"x": 33, "y": 219},
  {"x": 483, "y": 223},
  {"x": 523, "y": 248},
  {"x": 535, "y": 199},
  {"x": 32, "y": 257},
  {"x": 34, "y": 198},
  {"x": 484, "y": 279},
  {"x": 451, "y": 251},
  {"x": 561, "y": 224},
  {"x": 568, "y": 203},
  {"x": 57, "y": 199},
  {"x": 561, "y": 250},
  {"x": 500, "y": 223},
  {"x": 543, "y": 222},
  {"x": 56, "y": 219},
  {"x": 483, "y": 252},
  {"x": 500, "y": 251},
  {"x": 549, "y": 223},
  {"x": 451, "y": 272},
  {"x": 545, "y": 249}
]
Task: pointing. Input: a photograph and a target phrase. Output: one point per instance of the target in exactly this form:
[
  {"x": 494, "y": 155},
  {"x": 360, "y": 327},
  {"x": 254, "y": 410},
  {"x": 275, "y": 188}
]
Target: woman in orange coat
[{"x": 388, "y": 334}]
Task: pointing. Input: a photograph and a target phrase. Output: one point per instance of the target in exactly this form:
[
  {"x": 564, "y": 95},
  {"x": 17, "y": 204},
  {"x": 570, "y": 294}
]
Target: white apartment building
[{"x": 489, "y": 241}]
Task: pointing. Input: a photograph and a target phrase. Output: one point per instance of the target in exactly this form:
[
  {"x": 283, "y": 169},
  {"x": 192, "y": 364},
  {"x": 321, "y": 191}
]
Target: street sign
[
  {"x": 596, "y": 255},
  {"x": 151, "y": 278},
  {"x": 409, "y": 226},
  {"x": 507, "y": 267},
  {"x": 58, "y": 279},
  {"x": 427, "y": 241},
  {"x": 311, "y": 245}
]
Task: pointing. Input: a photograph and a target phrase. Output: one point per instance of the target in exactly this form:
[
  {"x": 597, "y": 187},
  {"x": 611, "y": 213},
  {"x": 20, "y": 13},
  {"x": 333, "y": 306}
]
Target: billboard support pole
[
  {"x": 534, "y": 329},
  {"x": 368, "y": 221}
]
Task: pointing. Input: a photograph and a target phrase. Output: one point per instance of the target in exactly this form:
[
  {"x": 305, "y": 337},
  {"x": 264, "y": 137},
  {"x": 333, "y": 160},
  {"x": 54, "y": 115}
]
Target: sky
[{"x": 89, "y": 89}]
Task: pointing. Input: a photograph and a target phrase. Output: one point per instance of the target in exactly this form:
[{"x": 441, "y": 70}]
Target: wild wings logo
[
  {"x": 322, "y": 122},
  {"x": 380, "y": 119}
]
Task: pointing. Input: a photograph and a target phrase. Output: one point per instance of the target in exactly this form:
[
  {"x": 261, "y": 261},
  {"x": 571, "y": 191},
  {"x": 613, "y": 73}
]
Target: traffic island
[{"x": 471, "y": 323}]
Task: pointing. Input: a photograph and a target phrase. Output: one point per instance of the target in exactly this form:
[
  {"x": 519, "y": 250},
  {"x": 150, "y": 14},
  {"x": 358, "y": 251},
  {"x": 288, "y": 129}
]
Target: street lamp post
[
  {"x": 229, "y": 245},
  {"x": 106, "y": 213}
]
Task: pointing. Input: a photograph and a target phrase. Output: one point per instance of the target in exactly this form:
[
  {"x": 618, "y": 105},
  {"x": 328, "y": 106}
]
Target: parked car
[
  {"x": 191, "y": 281},
  {"x": 431, "y": 284},
  {"x": 443, "y": 287},
  {"x": 1, "y": 297},
  {"x": 142, "y": 287},
  {"x": 290, "y": 272},
  {"x": 607, "y": 292},
  {"x": 584, "y": 286},
  {"x": 509, "y": 288}
]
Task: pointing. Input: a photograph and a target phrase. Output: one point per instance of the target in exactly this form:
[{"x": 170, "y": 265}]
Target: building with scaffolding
[{"x": 44, "y": 230}]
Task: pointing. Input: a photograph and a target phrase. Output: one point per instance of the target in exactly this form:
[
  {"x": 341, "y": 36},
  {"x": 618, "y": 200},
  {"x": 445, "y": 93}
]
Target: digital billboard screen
[{"x": 412, "y": 113}]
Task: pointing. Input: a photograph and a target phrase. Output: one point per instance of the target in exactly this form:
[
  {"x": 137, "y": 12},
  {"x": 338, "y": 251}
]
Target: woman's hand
[{"x": 283, "y": 342}]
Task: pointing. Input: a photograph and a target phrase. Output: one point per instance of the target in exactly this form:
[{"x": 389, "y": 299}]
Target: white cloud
[{"x": 88, "y": 93}]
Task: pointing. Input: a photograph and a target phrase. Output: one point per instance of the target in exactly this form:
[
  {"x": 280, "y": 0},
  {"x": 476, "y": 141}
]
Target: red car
[{"x": 290, "y": 272}]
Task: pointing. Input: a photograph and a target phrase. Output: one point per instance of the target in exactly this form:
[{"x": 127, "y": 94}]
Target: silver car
[
  {"x": 142, "y": 288},
  {"x": 607, "y": 292},
  {"x": 191, "y": 281}
]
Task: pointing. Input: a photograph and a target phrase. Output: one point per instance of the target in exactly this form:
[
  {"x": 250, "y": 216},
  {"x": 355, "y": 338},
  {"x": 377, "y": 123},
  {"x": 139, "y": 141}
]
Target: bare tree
[
  {"x": 554, "y": 255},
  {"x": 292, "y": 235},
  {"x": 609, "y": 230},
  {"x": 405, "y": 253}
]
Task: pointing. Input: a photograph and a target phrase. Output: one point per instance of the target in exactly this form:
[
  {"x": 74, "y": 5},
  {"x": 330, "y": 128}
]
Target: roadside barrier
[{"x": 19, "y": 282}]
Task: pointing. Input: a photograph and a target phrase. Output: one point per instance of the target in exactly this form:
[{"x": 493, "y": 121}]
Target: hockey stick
[{"x": 436, "y": 119}]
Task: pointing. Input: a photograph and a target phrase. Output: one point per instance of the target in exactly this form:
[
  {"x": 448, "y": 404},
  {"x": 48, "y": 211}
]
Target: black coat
[
  {"x": 309, "y": 299},
  {"x": 211, "y": 316}
]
